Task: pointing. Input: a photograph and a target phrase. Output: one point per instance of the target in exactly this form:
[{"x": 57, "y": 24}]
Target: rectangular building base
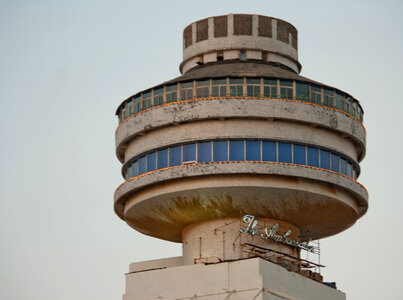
[{"x": 246, "y": 279}]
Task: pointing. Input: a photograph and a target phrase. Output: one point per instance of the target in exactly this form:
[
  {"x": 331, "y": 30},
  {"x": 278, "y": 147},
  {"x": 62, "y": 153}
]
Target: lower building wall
[{"x": 246, "y": 279}]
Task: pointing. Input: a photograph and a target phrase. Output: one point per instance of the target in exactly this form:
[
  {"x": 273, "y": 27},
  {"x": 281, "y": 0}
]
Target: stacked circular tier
[{"x": 240, "y": 132}]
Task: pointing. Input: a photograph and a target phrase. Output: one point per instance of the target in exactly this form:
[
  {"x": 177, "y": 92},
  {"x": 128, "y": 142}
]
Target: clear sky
[{"x": 65, "y": 66}]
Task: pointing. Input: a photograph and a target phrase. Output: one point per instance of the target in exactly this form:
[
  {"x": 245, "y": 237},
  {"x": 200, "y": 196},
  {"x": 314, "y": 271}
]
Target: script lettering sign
[{"x": 271, "y": 233}]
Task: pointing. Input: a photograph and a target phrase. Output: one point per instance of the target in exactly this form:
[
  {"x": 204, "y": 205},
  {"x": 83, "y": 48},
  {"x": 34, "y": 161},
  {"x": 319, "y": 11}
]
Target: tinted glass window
[
  {"x": 219, "y": 91},
  {"x": 270, "y": 81},
  {"x": 220, "y": 150},
  {"x": 236, "y": 81},
  {"x": 236, "y": 150},
  {"x": 253, "y": 150},
  {"x": 270, "y": 91},
  {"x": 128, "y": 172},
  {"x": 349, "y": 170},
  {"x": 203, "y": 82},
  {"x": 269, "y": 151},
  {"x": 313, "y": 157},
  {"x": 253, "y": 91},
  {"x": 162, "y": 158},
  {"x": 171, "y": 93},
  {"x": 129, "y": 108},
  {"x": 284, "y": 152},
  {"x": 147, "y": 95},
  {"x": 285, "y": 83},
  {"x": 220, "y": 81},
  {"x": 171, "y": 88},
  {"x": 137, "y": 104},
  {"x": 236, "y": 90},
  {"x": 324, "y": 159},
  {"x": 151, "y": 162},
  {"x": 189, "y": 152},
  {"x": 142, "y": 165},
  {"x": 252, "y": 80},
  {"x": 158, "y": 91},
  {"x": 185, "y": 85},
  {"x": 302, "y": 91},
  {"x": 343, "y": 166},
  {"x": 174, "y": 156},
  {"x": 204, "y": 152},
  {"x": 135, "y": 171},
  {"x": 299, "y": 155},
  {"x": 286, "y": 92},
  {"x": 335, "y": 162}
]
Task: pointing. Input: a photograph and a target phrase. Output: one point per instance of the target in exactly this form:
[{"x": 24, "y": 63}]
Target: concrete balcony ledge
[
  {"x": 240, "y": 108},
  {"x": 264, "y": 182}
]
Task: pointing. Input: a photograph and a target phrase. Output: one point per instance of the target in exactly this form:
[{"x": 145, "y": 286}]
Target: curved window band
[
  {"x": 240, "y": 150},
  {"x": 242, "y": 87}
]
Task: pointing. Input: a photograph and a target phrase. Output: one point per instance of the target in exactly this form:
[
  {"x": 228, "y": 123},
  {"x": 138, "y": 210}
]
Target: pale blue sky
[{"x": 65, "y": 66}]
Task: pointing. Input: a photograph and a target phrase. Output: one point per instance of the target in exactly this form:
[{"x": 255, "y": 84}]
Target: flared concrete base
[{"x": 246, "y": 279}]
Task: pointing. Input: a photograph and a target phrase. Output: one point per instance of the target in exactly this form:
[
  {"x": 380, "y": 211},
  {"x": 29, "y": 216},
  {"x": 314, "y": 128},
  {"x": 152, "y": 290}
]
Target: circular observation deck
[
  {"x": 248, "y": 144},
  {"x": 239, "y": 135}
]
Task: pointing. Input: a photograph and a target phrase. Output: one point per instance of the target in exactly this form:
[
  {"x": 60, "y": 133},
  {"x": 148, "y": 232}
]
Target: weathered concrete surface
[
  {"x": 334, "y": 129},
  {"x": 247, "y": 279},
  {"x": 156, "y": 264},
  {"x": 282, "y": 50},
  {"x": 163, "y": 203},
  {"x": 223, "y": 240}
]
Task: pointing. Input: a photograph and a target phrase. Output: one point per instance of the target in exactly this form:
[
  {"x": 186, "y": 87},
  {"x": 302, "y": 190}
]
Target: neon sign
[{"x": 270, "y": 233}]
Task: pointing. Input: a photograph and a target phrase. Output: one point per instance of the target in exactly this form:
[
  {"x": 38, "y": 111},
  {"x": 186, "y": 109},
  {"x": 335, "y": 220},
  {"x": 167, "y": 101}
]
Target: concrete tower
[{"x": 239, "y": 157}]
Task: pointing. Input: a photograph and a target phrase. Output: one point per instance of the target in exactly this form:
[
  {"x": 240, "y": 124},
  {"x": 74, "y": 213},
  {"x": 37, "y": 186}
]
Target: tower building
[{"x": 243, "y": 161}]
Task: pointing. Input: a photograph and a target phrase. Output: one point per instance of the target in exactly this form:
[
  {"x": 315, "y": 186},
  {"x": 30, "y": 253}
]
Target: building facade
[{"x": 243, "y": 161}]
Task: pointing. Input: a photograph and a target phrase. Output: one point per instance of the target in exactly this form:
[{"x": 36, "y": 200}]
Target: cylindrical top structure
[{"x": 240, "y": 37}]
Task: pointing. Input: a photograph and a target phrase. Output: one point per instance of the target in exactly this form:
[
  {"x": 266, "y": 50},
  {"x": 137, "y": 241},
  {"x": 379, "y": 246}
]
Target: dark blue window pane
[
  {"x": 269, "y": 151},
  {"x": 175, "y": 156},
  {"x": 204, "y": 152},
  {"x": 324, "y": 159},
  {"x": 126, "y": 174},
  {"x": 349, "y": 170},
  {"x": 142, "y": 165},
  {"x": 343, "y": 166},
  {"x": 299, "y": 155},
  {"x": 189, "y": 152},
  {"x": 253, "y": 150},
  {"x": 335, "y": 163},
  {"x": 220, "y": 150},
  {"x": 135, "y": 169},
  {"x": 313, "y": 157},
  {"x": 151, "y": 161},
  {"x": 236, "y": 150},
  {"x": 162, "y": 158},
  {"x": 284, "y": 152}
]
